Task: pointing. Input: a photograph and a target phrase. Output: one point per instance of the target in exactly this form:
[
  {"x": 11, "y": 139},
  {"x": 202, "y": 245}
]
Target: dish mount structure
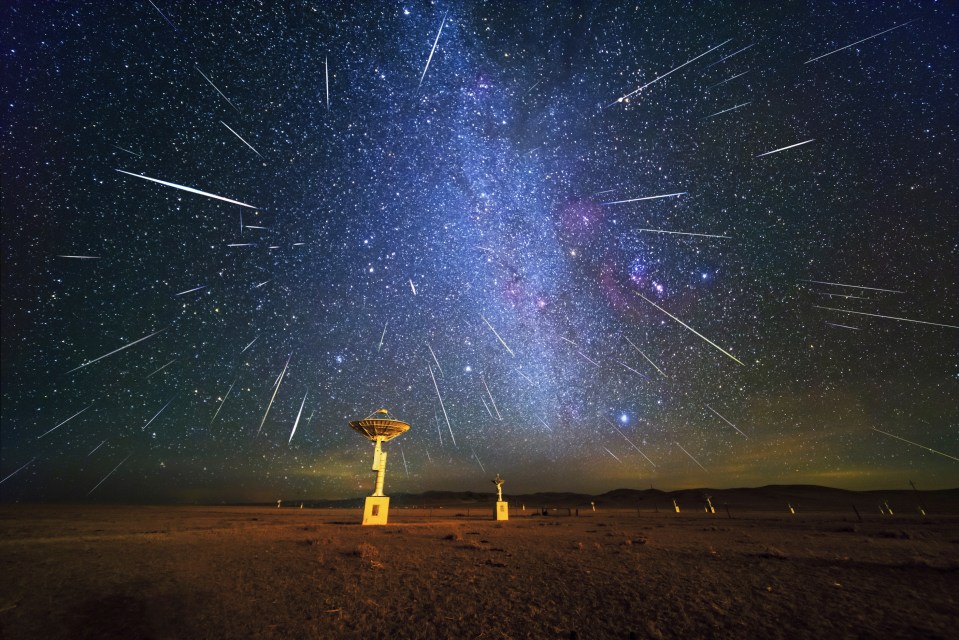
[{"x": 378, "y": 427}]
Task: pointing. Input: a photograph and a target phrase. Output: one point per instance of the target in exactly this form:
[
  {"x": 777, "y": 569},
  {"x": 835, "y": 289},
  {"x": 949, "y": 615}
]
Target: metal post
[{"x": 380, "y": 470}]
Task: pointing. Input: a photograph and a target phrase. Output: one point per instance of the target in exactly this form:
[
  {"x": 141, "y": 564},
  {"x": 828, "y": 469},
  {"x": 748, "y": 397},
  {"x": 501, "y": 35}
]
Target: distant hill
[{"x": 768, "y": 498}]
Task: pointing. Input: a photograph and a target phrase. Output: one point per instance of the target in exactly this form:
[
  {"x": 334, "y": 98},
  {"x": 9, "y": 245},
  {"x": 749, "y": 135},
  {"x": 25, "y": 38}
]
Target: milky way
[{"x": 585, "y": 246}]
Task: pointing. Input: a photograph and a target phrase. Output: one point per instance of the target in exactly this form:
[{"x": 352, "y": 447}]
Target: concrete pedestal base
[
  {"x": 376, "y": 510},
  {"x": 502, "y": 510}
]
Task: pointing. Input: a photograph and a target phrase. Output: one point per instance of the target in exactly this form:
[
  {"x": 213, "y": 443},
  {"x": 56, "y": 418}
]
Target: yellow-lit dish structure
[{"x": 378, "y": 427}]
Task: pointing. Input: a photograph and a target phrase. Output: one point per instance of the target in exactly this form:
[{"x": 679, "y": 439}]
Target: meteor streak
[
  {"x": 275, "y": 391},
  {"x": 684, "y": 233},
  {"x": 491, "y": 399},
  {"x": 497, "y": 336},
  {"x": 632, "y": 93},
  {"x": 434, "y": 359},
  {"x": 842, "y": 326},
  {"x": 442, "y": 406},
  {"x": 224, "y": 399},
  {"x": 916, "y": 444},
  {"x": 645, "y": 356},
  {"x": 380, "y": 345},
  {"x": 162, "y": 14},
  {"x": 587, "y": 358},
  {"x": 326, "y": 72},
  {"x": 641, "y": 375},
  {"x": 486, "y": 406},
  {"x": 241, "y": 139},
  {"x": 798, "y": 144},
  {"x": 217, "y": 90},
  {"x": 712, "y": 86},
  {"x": 854, "y": 286},
  {"x": 528, "y": 379},
  {"x": 726, "y": 110},
  {"x": 297, "y": 421},
  {"x": 665, "y": 195},
  {"x": 132, "y": 153},
  {"x": 251, "y": 343},
  {"x": 433, "y": 50},
  {"x": 95, "y": 449},
  {"x": 126, "y": 346},
  {"x": 875, "y": 35},
  {"x": 691, "y": 457},
  {"x": 160, "y": 369},
  {"x": 109, "y": 474},
  {"x": 188, "y": 189},
  {"x": 478, "y": 461},
  {"x": 845, "y": 296},
  {"x": 150, "y": 421},
  {"x": 80, "y": 257},
  {"x": 614, "y": 455},
  {"x": 724, "y": 59},
  {"x": 412, "y": 286},
  {"x": 691, "y": 329},
  {"x": 876, "y": 315},
  {"x": 405, "y": 466},
  {"x": 548, "y": 428},
  {"x": 633, "y": 445},
  {"x": 727, "y": 421},
  {"x": 190, "y": 290},
  {"x": 19, "y": 470}
]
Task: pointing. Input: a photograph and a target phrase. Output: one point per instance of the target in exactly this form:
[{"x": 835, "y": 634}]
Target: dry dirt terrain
[{"x": 246, "y": 572}]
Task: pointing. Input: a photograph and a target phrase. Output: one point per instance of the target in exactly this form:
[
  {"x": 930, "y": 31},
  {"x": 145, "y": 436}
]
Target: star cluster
[{"x": 584, "y": 245}]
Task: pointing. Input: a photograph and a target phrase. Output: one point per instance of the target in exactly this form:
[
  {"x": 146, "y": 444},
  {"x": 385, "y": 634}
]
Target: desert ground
[{"x": 256, "y": 572}]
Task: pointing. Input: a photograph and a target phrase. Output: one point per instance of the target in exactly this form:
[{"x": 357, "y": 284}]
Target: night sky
[{"x": 459, "y": 211}]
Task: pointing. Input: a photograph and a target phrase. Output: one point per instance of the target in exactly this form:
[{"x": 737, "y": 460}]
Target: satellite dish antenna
[{"x": 378, "y": 427}]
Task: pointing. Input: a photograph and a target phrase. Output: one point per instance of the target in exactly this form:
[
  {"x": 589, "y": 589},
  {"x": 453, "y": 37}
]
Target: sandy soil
[{"x": 243, "y": 572}]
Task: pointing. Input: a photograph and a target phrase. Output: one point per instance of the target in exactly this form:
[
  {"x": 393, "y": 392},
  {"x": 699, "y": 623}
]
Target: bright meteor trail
[
  {"x": 18, "y": 470},
  {"x": 916, "y": 444},
  {"x": 497, "y": 336},
  {"x": 690, "y": 328},
  {"x": 632, "y": 93},
  {"x": 298, "y": 414},
  {"x": 683, "y": 233},
  {"x": 126, "y": 346},
  {"x": 854, "y": 286},
  {"x": 691, "y": 457},
  {"x": 65, "y": 421},
  {"x": 240, "y": 138},
  {"x": 876, "y": 315},
  {"x": 108, "y": 475},
  {"x": 276, "y": 390},
  {"x": 665, "y": 195},
  {"x": 798, "y": 144},
  {"x": 718, "y": 415},
  {"x": 433, "y": 50},
  {"x": 217, "y": 89},
  {"x": 188, "y": 189},
  {"x": 875, "y": 35},
  {"x": 442, "y": 406}
]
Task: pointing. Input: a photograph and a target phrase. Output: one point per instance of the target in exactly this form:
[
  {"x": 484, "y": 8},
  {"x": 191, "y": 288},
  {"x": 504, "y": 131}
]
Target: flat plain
[{"x": 256, "y": 572}]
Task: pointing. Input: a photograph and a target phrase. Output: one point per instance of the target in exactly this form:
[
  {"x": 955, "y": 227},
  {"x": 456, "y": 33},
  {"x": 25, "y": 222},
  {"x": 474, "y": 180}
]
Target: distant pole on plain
[{"x": 922, "y": 507}]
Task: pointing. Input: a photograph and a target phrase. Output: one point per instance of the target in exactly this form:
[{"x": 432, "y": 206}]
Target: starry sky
[{"x": 583, "y": 245}]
